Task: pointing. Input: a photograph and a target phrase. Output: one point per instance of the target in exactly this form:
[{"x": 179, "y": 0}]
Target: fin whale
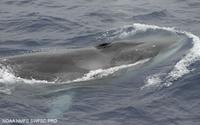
[{"x": 74, "y": 63}]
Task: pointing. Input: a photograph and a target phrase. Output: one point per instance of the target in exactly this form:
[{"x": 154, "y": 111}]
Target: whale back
[
  {"x": 116, "y": 46},
  {"x": 72, "y": 64},
  {"x": 103, "y": 45}
]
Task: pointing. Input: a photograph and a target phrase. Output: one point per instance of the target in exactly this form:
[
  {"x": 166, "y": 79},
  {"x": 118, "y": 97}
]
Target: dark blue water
[{"x": 164, "y": 91}]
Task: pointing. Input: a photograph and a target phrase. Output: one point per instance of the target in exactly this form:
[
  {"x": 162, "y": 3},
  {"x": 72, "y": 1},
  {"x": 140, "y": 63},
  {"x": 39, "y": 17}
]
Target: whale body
[{"x": 70, "y": 64}]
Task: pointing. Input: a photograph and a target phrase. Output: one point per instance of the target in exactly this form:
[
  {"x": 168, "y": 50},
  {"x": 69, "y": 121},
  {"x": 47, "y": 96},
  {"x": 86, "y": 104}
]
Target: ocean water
[{"x": 163, "y": 90}]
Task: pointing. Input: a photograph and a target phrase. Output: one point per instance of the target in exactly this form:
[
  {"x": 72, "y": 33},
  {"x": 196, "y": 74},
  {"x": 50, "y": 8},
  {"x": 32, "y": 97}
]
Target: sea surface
[{"x": 162, "y": 91}]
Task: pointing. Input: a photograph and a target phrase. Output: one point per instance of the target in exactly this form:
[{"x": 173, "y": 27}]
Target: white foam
[
  {"x": 194, "y": 55},
  {"x": 142, "y": 28},
  {"x": 152, "y": 81},
  {"x": 99, "y": 73},
  {"x": 8, "y": 77},
  {"x": 181, "y": 67}
]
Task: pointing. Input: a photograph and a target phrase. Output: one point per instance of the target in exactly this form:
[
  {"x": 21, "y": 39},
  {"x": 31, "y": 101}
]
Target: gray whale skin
[{"x": 70, "y": 64}]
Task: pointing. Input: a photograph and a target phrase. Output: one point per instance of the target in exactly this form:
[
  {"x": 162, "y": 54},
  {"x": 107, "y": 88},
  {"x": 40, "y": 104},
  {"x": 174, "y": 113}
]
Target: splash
[
  {"x": 8, "y": 77},
  {"x": 152, "y": 81},
  {"x": 100, "y": 73},
  {"x": 181, "y": 67}
]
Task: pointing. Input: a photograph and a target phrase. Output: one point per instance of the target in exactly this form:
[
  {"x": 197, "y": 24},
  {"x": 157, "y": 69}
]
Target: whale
[{"x": 70, "y": 64}]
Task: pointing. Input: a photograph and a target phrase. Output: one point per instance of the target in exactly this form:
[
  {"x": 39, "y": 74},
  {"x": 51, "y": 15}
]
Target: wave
[
  {"x": 153, "y": 15},
  {"x": 36, "y": 22},
  {"x": 20, "y": 2},
  {"x": 181, "y": 67}
]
